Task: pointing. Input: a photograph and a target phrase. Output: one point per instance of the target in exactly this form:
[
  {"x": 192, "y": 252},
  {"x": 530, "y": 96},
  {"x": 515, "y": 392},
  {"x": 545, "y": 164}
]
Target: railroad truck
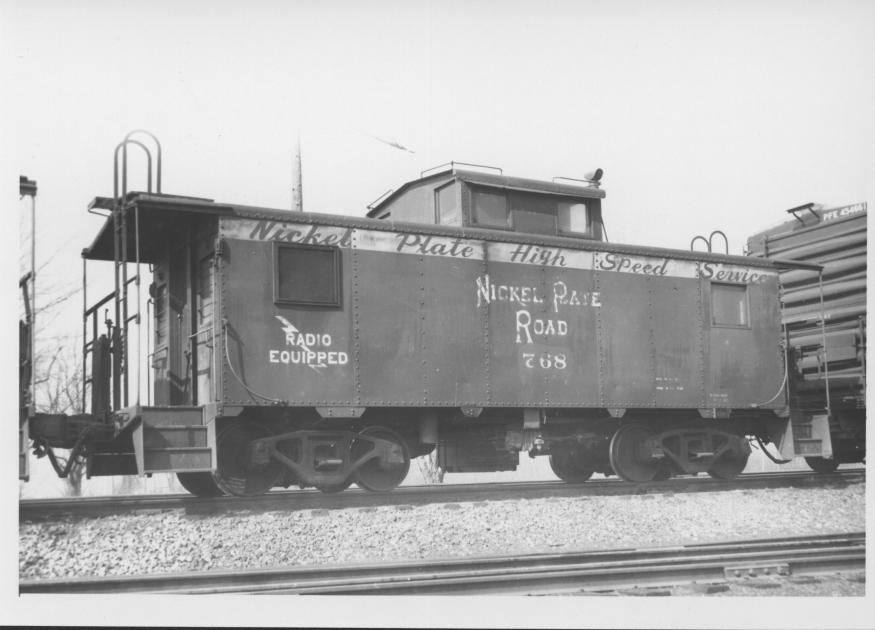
[
  {"x": 824, "y": 316},
  {"x": 471, "y": 312}
]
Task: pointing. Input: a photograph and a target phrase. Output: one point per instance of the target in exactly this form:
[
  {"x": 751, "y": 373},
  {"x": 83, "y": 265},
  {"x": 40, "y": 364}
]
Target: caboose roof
[
  {"x": 158, "y": 215},
  {"x": 493, "y": 180},
  {"x": 161, "y": 213}
]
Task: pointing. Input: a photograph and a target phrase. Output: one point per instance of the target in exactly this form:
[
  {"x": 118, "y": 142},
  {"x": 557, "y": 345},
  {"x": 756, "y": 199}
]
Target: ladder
[{"x": 126, "y": 302}]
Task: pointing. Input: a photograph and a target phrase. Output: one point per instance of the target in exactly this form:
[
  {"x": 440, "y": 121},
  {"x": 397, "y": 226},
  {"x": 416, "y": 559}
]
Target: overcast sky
[{"x": 703, "y": 115}]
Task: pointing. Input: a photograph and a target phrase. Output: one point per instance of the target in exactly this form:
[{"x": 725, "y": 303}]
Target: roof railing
[
  {"x": 453, "y": 165},
  {"x": 371, "y": 205},
  {"x": 803, "y": 208}
]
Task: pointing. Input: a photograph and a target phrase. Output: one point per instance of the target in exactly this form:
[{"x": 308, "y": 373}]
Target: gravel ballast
[{"x": 174, "y": 541}]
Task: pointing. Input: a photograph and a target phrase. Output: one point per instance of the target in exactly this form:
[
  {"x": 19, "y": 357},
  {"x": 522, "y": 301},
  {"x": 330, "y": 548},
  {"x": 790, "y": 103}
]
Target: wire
[
  {"x": 778, "y": 393},
  {"x": 786, "y": 372},
  {"x": 769, "y": 455},
  {"x": 231, "y": 367}
]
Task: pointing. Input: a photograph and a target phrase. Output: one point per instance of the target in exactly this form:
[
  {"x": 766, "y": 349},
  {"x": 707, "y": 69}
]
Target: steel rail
[
  {"x": 590, "y": 571},
  {"x": 42, "y": 509}
]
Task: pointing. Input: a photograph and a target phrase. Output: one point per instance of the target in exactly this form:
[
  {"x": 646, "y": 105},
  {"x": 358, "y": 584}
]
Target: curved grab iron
[
  {"x": 709, "y": 242},
  {"x": 124, "y": 145},
  {"x": 696, "y": 238},
  {"x": 157, "y": 155},
  {"x": 725, "y": 241}
]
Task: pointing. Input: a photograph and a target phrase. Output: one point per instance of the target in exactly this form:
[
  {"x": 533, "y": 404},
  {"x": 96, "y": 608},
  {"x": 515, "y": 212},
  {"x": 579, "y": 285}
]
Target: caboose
[{"x": 471, "y": 312}]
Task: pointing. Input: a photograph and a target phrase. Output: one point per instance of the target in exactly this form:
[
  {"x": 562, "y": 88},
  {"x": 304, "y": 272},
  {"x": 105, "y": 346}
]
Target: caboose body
[{"x": 474, "y": 313}]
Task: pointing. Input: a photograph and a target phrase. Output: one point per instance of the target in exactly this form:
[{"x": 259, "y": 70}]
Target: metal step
[
  {"x": 811, "y": 434},
  {"x": 174, "y": 439},
  {"x": 807, "y": 447},
  {"x": 156, "y": 438},
  {"x": 177, "y": 460},
  {"x": 111, "y": 464}
]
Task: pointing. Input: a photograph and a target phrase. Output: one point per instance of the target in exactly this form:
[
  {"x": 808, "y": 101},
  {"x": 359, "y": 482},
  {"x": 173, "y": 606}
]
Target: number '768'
[{"x": 545, "y": 360}]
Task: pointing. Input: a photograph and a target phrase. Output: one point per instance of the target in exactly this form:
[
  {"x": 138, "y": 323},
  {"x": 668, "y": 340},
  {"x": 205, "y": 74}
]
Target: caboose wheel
[
  {"x": 200, "y": 484},
  {"x": 821, "y": 464},
  {"x": 235, "y": 473},
  {"x": 626, "y": 460},
  {"x": 372, "y": 476},
  {"x": 569, "y": 466},
  {"x": 728, "y": 466}
]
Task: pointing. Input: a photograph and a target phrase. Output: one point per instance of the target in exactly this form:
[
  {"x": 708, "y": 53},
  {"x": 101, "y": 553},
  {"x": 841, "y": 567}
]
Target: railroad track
[
  {"x": 44, "y": 509},
  {"x": 587, "y": 571}
]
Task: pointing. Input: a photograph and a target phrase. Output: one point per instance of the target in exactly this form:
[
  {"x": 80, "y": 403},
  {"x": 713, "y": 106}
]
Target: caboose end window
[
  {"x": 573, "y": 217},
  {"x": 307, "y": 275},
  {"x": 447, "y": 205},
  {"x": 729, "y": 305}
]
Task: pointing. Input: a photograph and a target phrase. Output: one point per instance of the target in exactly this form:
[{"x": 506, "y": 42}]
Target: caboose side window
[
  {"x": 729, "y": 305},
  {"x": 533, "y": 203},
  {"x": 308, "y": 275},
  {"x": 490, "y": 209},
  {"x": 532, "y": 213}
]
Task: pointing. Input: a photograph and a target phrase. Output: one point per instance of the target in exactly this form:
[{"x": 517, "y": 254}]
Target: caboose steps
[
  {"x": 172, "y": 439},
  {"x": 811, "y": 434}
]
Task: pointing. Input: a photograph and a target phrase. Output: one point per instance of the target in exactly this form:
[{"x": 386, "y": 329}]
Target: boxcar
[
  {"x": 479, "y": 314},
  {"x": 825, "y": 320}
]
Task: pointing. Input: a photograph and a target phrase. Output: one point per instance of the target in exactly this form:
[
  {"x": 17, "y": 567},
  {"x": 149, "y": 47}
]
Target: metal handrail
[
  {"x": 371, "y": 205},
  {"x": 94, "y": 308},
  {"x": 823, "y": 343},
  {"x": 121, "y": 254},
  {"x": 123, "y": 147},
  {"x": 725, "y": 240},
  {"x": 453, "y": 164},
  {"x": 709, "y": 242},
  {"x": 696, "y": 238},
  {"x": 590, "y": 182},
  {"x": 157, "y": 154}
]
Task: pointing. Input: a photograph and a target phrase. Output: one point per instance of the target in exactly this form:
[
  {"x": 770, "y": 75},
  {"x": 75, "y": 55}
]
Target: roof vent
[{"x": 593, "y": 178}]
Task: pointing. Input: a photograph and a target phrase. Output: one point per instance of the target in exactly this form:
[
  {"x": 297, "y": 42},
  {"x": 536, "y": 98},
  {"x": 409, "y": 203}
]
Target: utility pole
[{"x": 297, "y": 190}]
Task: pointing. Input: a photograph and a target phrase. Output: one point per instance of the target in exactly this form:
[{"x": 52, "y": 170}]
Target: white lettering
[
  {"x": 545, "y": 361},
  {"x": 523, "y": 321},
  {"x": 489, "y": 292},
  {"x": 526, "y": 325}
]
